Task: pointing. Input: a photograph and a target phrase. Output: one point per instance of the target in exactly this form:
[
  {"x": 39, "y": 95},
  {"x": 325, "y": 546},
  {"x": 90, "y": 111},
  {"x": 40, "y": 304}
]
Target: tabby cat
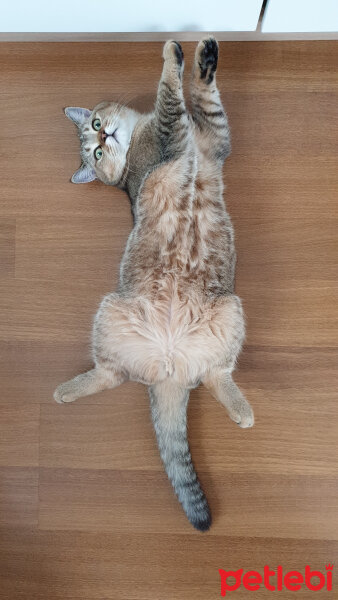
[{"x": 174, "y": 320}]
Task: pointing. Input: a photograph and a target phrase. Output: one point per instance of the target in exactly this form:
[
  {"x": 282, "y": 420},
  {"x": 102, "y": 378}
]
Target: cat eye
[
  {"x": 96, "y": 124},
  {"x": 98, "y": 152}
]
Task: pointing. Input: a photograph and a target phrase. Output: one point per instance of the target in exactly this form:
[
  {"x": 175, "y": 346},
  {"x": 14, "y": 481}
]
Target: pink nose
[{"x": 103, "y": 136}]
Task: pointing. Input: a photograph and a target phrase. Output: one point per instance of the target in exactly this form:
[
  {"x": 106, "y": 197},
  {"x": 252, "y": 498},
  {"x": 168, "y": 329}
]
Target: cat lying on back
[{"x": 174, "y": 320}]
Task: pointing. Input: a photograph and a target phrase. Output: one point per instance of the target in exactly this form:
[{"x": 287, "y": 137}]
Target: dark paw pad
[
  {"x": 179, "y": 53},
  {"x": 208, "y": 59}
]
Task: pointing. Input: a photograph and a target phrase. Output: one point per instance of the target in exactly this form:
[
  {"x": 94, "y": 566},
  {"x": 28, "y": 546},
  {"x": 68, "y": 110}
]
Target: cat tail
[{"x": 169, "y": 403}]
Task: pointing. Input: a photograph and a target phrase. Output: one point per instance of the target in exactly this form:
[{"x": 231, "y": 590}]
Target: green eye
[
  {"x": 98, "y": 153},
  {"x": 96, "y": 124}
]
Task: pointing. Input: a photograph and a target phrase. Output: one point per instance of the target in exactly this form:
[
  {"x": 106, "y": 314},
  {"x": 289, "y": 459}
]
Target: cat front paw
[
  {"x": 172, "y": 51},
  {"x": 207, "y": 58}
]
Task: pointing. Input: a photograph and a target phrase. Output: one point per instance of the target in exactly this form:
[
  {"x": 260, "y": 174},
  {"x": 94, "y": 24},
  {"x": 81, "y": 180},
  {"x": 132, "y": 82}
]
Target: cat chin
[
  {"x": 110, "y": 181},
  {"x": 114, "y": 176}
]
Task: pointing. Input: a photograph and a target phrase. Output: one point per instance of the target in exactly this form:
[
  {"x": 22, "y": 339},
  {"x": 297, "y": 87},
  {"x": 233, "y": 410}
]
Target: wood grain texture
[
  {"x": 7, "y": 247},
  {"x": 73, "y": 565},
  {"x": 86, "y": 512},
  {"x": 19, "y": 435},
  {"x": 19, "y": 496}
]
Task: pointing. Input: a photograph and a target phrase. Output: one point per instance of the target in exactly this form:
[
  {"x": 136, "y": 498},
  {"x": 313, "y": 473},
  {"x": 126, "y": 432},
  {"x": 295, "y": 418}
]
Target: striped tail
[{"x": 168, "y": 403}]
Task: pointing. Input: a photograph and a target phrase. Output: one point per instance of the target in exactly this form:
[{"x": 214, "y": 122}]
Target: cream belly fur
[
  {"x": 178, "y": 338},
  {"x": 164, "y": 326}
]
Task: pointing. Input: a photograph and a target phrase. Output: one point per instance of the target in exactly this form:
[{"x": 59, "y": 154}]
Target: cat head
[{"x": 105, "y": 135}]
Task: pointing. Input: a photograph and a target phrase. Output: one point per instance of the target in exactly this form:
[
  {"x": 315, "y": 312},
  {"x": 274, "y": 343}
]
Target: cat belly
[{"x": 153, "y": 341}]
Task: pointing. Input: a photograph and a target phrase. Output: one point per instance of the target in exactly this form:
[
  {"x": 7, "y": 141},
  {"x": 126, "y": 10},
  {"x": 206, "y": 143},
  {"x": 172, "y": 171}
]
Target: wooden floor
[{"x": 86, "y": 511}]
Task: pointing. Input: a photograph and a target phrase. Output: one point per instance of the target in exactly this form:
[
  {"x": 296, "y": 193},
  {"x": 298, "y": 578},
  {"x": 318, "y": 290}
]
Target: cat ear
[
  {"x": 77, "y": 115},
  {"x": 84, "y": 174}
]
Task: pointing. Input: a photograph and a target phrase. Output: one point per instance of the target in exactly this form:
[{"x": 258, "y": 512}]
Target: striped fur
[
  {"x": 174, "y": 319},
  {"x": 168, "y": 403}
]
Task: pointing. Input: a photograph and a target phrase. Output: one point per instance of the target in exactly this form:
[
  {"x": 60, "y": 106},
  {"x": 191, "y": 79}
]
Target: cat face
[{"x": 105, "y": 135}]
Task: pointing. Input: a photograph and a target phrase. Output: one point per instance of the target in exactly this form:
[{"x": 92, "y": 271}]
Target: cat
[{"x": 174, "y": 320}]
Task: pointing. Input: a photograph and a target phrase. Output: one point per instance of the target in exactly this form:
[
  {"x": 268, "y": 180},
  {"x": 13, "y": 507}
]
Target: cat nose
[{"x": 104, "y": 136}]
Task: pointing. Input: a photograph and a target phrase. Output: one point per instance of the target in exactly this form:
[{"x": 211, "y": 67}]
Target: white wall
[
  {"x": 128, "y": 15},
  {"x": 301, "y": 15}
]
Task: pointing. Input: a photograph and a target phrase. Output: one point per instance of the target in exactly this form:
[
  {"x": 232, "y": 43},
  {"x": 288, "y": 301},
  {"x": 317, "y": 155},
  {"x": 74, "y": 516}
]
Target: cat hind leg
[
  {"x": 95, "y": 380},
  {"x": 223, "y": 388}
]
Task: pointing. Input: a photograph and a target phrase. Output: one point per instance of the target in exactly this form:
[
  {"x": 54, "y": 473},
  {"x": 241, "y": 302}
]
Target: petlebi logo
[{"x": 277, "y": 580}]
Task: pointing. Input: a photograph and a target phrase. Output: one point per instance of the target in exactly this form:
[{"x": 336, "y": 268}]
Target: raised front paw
[
  {"x": 172, "y": 51},
  {"x": 207, "y": 57}
]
